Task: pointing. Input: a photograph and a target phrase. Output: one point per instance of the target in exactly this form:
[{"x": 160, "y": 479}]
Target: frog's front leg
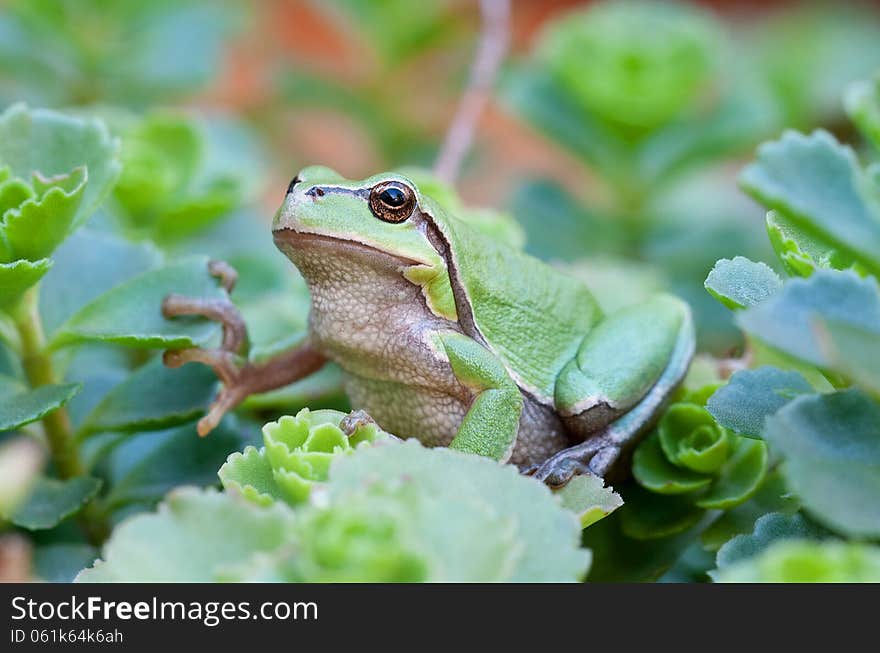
[
  {"x": 240, "y": 377},
  {"x": 491, "y": 424},
  {"x": 617, "y": 384}
]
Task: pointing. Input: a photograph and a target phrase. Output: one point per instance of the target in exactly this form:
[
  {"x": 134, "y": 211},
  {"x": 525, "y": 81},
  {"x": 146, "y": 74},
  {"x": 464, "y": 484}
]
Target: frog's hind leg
[{"x": 618, "y": 383}]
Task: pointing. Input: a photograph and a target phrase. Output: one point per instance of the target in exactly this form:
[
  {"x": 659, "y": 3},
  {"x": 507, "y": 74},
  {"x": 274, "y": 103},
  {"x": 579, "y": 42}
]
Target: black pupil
[{"x": 393, "y": 197}]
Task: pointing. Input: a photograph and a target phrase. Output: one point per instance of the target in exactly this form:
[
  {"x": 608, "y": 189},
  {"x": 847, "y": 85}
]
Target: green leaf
[
  {"x": 147, "y": 465},
  {"x": 817, "y": 183},
  {"x": 51, "y": 501},
  {"x": 751, "y": 396},
  {"x": 862, "y": 101},
  {"x": 88, "y": 264},
  {"x": 193, "y": 214},
  {"x": 853, "y": 351},
  {"x": 739, "y": 478},
  {"x": 27, "y": 406},
  {"x": 740, "y": 283},
  {"x": 396, "y": 32},
  {"x": 298, "y": 451},
  {"x": 587, "y": 497},
  {"x": 619, "y": 558},
  {"x": 191, "y": 538},
  {"x": 540, "y": 523},
  {"x": 801, "y": 252},
  {"x": 831, "y": 447},
  {"x": 153, "y": 397},
  {"x": 636, "y": 65},
  {"x": 787, "y": 320},
  {"x": 653, "y": 471},
  {"x": 161, "y": 153},
  {"x": 691, "y": 439},
  {"x": 648, "y": 516},
  {"x": 51, "y": 143},
  {"x": 772, "y": 496},
  {"x": 59, "y": 563},
  {"x": 35, "y": 228},
  {"x": 808, "y": 562},
  {"x": 558, "y": 227},
  {"x": 249, "y": 474},
  {"x": 532, "y": 93},
  {"x": 768, "y": 530},
  {"x": 130, "y": 314},
  {"x": 398, "y": 534},
  {"x": 17, "y": 277}
]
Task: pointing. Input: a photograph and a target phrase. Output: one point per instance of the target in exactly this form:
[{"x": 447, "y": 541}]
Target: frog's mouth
[{"x": 298, "y": 245}]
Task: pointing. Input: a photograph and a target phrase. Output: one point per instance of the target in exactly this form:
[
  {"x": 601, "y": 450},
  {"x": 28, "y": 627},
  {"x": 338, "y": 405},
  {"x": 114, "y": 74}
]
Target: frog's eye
[{"x": 392, "y": 201}]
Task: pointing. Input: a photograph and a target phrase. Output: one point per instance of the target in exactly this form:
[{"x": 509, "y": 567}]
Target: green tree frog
[{"x": 450, "y": 336}]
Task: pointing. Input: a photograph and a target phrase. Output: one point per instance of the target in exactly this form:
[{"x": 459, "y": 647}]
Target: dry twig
[{"x": 494, "y": 42}]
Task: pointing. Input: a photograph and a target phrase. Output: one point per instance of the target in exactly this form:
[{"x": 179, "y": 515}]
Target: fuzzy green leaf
[
  {"x": 191, "y": 538},
  {"x": 817, "y": 182},
  {"x": 751, "y": 396},
  {"x": 772, "y": 496},
  {"x": 808, "y": 562},
  {"x": 541, "y": 524},
  {"x": 853, "y": 351},
  {"x": 587, "y": 497},
  {"x": 800, "y": 251},
  {"x": 862, "y": 101},
  {"x": 831, "y": 447},
  {"x": 740, "y": 283},
  {"x": 26, "y": 406},
  {"x": 395, "y": 535},
  {"x": 52, "y": 500},
  {"x": 153, "y": 397},
  {"x": 35, "y": 228},
  {"x": 249, "y": 473},
  {"x": 768, "y": 530},
  {"x": 17, "y": 277},
  {"x": 130, "y": 314},
  {"x": 299, "y": 450},
  {"x": 59, "y": 563},
  {"x": 787, "y": 320},
  {"x": 50, "y": 143},
  {"x": 147, "y": 465}
]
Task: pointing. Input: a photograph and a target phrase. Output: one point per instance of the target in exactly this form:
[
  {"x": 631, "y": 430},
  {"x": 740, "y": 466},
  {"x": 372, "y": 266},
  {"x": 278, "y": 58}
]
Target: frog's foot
[
  {"x": 354, "y": 420},
  {"x": 358, "y": 418},
  {"x": 595, "y": 456},
  {"x": 240, "y": 377}
]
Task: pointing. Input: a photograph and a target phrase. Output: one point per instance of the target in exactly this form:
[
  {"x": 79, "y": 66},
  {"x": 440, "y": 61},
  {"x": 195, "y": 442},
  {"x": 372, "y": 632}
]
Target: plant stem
[
  {"x": 490, "y": 54},
  {"x": 37, "y": 364}
]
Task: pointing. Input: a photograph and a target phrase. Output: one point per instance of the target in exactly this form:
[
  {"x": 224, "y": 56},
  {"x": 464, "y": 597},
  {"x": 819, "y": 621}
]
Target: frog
[{"x": 449, "y": 335}]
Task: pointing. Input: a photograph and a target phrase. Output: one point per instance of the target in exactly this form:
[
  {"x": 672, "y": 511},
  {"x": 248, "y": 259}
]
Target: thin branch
[{"x": 494, "y": 42}]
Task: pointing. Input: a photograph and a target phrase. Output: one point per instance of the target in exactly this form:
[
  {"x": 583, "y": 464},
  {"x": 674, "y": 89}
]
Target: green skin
[{"x": 449, "y": 336}]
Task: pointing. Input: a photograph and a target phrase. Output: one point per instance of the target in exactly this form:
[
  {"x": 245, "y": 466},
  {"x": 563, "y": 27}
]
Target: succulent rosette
[
  {"x": 297, "y": 453},
  {"x": 690, "y": 454}
]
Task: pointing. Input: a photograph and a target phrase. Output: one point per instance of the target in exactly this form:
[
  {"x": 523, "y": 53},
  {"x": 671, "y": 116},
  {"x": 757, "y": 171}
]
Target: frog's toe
[
  {"x": 603, "y": 460},
  {"x": 556, "y": 472},
  {"x": 595, "y": 457}
]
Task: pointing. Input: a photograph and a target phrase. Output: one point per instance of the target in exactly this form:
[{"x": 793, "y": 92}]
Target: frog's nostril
[
  {"x": 293, "y": 183},
  {"x": 315, "y": 191}
]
